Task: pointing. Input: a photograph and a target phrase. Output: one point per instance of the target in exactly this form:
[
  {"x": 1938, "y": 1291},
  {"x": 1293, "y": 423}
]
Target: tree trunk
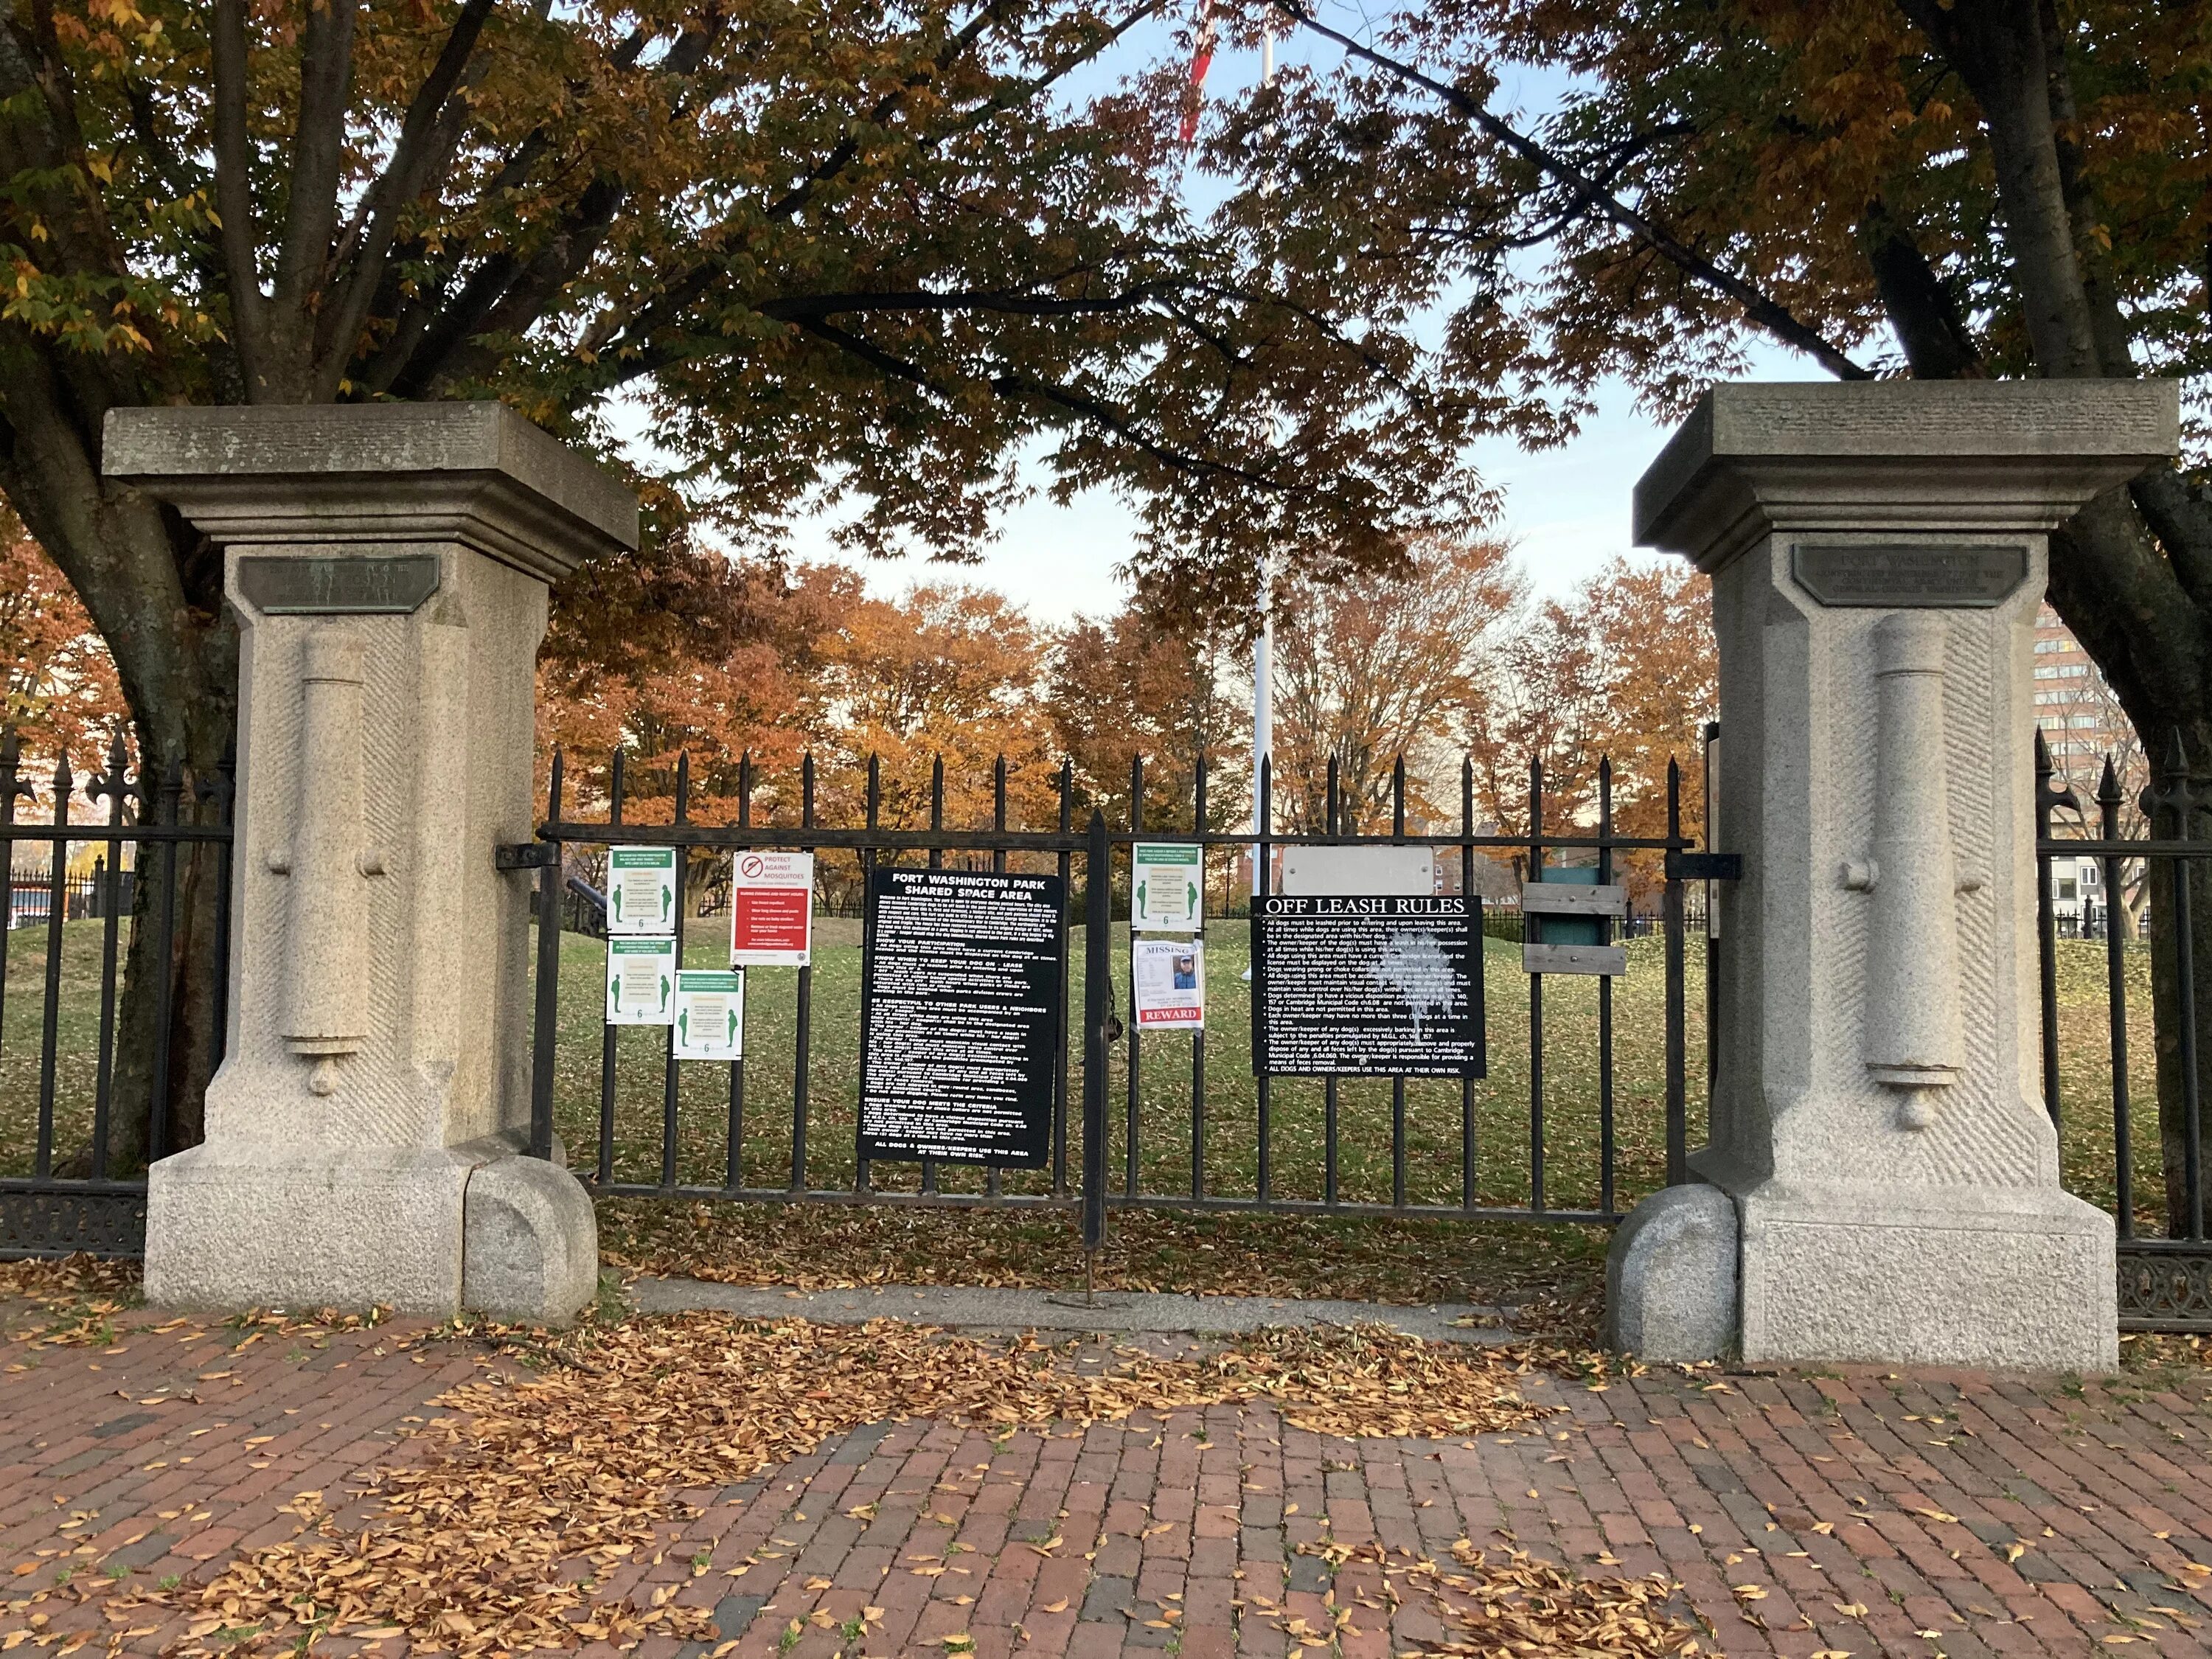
[{"x": 154, "y": 589}]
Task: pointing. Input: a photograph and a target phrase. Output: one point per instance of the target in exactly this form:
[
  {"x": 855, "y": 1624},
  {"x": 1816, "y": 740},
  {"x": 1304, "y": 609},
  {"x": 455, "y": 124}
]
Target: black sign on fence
[
  {"x": 1367, "y": 986},
  {"x": 960, "y": 1002}
]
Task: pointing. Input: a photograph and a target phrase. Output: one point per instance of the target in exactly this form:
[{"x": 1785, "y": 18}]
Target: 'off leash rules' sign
[{"x": 771, "y": 909}]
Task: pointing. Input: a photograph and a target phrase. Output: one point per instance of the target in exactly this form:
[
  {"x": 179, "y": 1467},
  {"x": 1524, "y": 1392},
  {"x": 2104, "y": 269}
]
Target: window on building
[
  {"x": 2063, "y": 671},
  {"x": 2044, "y": 646},
  {"x": 2067, "y": 890}
]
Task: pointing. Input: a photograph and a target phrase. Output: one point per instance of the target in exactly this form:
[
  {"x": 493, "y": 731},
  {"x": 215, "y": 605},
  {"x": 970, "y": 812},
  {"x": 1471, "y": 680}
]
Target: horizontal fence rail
[
  {"x": 88, "y": 1058},
  {"x": 1190, "y": 1126},
  {"x": 2119, "y": 975}
]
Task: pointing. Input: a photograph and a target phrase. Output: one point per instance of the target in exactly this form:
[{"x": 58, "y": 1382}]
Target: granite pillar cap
[
  {"x": 477, "y": 473},
  {"x": 1991, "y": 456}
]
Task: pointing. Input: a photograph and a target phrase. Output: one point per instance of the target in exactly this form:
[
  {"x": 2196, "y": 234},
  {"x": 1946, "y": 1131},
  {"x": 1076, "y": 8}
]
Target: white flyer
[
  {"x": 1170, "y": 890},
  {"x": 641, "y": 891},
  {"x": 640, "y": 980},
  {"x": 710, "y": 1013},
  {"x": 1168, "y": 976}
]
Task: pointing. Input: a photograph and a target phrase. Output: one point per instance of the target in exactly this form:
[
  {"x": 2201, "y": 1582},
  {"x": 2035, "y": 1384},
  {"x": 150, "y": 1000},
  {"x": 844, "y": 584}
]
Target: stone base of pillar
[
  {"x": 250, "y": 1225},
  {"x": 1997, "y": 1279},
  {"x": 1670, "y": 1278}
]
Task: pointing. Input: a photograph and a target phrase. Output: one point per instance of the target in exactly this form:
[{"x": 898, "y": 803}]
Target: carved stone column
[
  {"x": 1881, "y": 1178},
  {"x": 388, "y": 567}
]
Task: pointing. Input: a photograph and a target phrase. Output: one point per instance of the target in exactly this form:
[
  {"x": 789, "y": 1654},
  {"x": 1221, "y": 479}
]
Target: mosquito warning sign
[
  {"x": 771, "y": 909},
  {"x": 959, "y": 1006},
  {"x": 1367, "y": 986}
]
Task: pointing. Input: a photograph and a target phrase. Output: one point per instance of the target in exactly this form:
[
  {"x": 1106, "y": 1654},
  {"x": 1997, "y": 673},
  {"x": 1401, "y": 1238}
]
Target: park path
[{"x": 1864, "y": 1513}]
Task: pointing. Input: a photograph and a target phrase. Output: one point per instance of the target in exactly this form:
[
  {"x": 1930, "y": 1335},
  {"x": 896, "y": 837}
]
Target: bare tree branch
[
  {"x": 1758, "y": 308},
  {"x": 311, "y": 209},
  {"x": 428, "y": 138},
  {"x": 234, "y": 197}
]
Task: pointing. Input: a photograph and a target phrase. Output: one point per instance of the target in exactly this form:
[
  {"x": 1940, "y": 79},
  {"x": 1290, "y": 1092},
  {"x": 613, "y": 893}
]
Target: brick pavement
[{"x": 1865, "y": 1513}]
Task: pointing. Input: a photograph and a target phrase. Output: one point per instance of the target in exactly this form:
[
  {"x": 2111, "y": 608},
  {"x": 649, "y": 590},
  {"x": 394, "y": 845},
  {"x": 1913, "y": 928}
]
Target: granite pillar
[
  {"x": 388, "y": 565},
  {"x": 1878, "y": 553}
]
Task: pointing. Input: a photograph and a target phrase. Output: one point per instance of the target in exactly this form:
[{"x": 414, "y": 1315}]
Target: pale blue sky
[{"x": 1566, "y": 508}]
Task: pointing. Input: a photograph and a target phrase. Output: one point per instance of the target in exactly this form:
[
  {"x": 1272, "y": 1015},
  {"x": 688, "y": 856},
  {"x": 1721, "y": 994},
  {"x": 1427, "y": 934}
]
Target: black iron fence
[
  {"x": 1540, "y": 1137},
  {"x": 31, "y": 895},
  {"x": 2117, "y": 1043},
  {"x": 91, "y": 1058}
]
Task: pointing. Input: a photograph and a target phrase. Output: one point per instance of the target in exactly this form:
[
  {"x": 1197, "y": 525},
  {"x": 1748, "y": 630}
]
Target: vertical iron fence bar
[
  {"x": 1066, "y": 867},
  {"x": 802, "y": 1058},
  {"x": 875, "y": 810},
  {"x": 11, "y": 786},
  {"x": 2184, "y": 807},
  {"x": 991, "y": 1177},
  {"x": 669, "y": 1097},
  {"x": 1481, "y": 963},
  {"x": 1333, "y": 817},
  {"x": 936, "y": 862},
  {"x": 1097, "y": 1006},
  {"x": 2191, "y": 1104},
  {"x": 733, "y": 1109},
  {"x": 1605, "y": 1132},
  {"x": 2048, "y": 796},
  {"x": 617, "y": 770},
  {"x": 50, "y": 1024},
  {"x": 226, "y": 793},
  {"x": 547, "y": 1018},
  {"x": 1398, "y": 1084},
  {"x": 1197, "y": 1038},
  {"x": 110, "y": 943},
  {"x": 1711, "y": 758},
  {"x": 1532, "y": 932},
  {"x": 1263, "y": 818},
  {"x": 2116, "y": 1001},
  {"x": 1678, "y": 1106},
  {"x": 164, "y": 945},
  {"x": 1130, "y": 1111}
]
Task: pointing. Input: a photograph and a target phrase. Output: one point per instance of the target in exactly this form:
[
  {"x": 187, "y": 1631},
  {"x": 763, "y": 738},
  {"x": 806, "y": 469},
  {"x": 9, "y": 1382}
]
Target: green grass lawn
[
  {"x": 1164, "y": 1117},
  {"x": 1502, "y": 1100}
]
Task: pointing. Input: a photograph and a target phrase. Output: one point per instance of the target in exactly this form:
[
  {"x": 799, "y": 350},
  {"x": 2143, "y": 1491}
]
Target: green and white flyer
[
  {"x": 640, "y": 980},
  {"x": 1169, "y": 888},
  {"x": 642, "y": 890},
  {"x": 710, "y": 1014}
]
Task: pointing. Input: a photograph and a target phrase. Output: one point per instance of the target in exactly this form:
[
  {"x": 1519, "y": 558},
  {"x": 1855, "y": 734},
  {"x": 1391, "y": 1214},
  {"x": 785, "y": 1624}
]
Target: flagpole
[{"x": 1263, "y": 647}]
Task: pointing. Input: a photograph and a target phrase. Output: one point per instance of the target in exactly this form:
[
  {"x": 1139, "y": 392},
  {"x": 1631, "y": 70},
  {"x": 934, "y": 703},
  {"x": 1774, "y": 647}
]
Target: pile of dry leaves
[
  {"x": 1397, "y": 1259},
  {"x": 1496, "y": 1603},
  {"x": 70, "y": 1301},
  {"x": 464, "y": 1547}
]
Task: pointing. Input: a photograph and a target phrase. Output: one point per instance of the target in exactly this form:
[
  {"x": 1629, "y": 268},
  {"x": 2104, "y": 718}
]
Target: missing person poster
[{"x": 1168, "y": 977}]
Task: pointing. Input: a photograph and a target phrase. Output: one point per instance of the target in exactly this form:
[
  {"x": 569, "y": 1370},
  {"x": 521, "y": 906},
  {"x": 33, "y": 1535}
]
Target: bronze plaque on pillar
[
  {"x": 368, "y": 584},
  {"x": 1894, "y": 576}
]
